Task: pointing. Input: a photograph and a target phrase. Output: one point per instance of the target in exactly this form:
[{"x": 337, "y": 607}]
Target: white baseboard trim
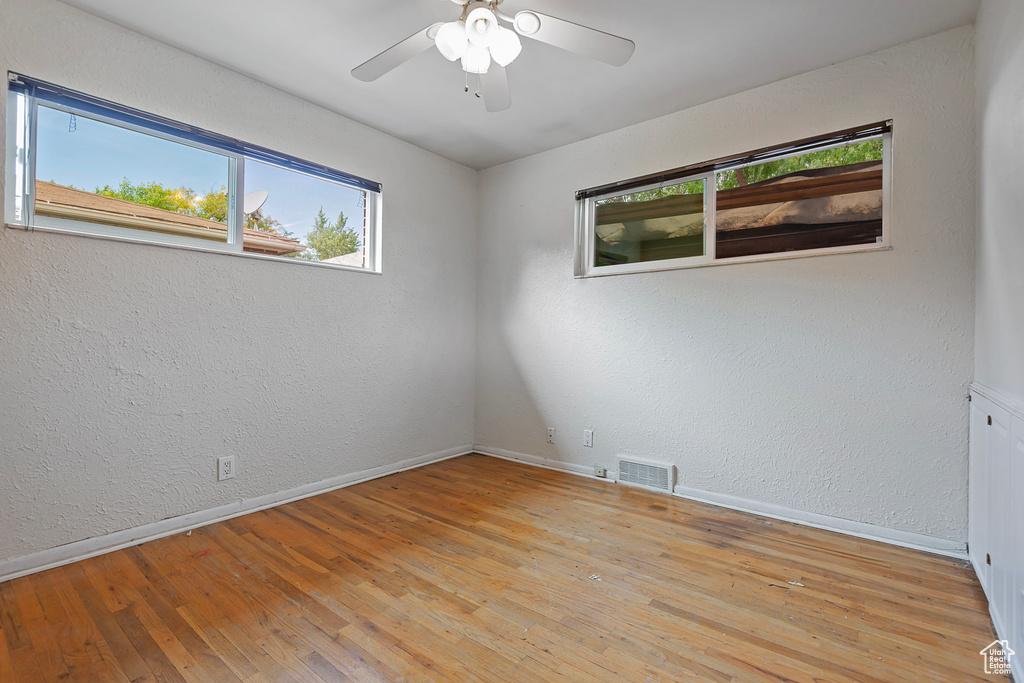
[
  {"x": 537, "y": 461},
  {"x": 871, "y": 532},
  {"x": 98, "y": 545}
]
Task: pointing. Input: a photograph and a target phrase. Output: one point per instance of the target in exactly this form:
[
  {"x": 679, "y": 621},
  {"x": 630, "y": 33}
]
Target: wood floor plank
[
  {"x": 85, "y": 631},
  {"x": 162, "y": 668},
  {"x": 26, "y": 668},
  {"x": 62, "y": 629},
  {"x": 6, "y": 667},
  {"x": 479, "y": 569},
  {"x": 324, "y": 669},
  {"x": 218, "y": 643},
  {"x": 126, "y": 656},
  {"x": 11, "y": 621},
  {"x": 43, "y": 631}
]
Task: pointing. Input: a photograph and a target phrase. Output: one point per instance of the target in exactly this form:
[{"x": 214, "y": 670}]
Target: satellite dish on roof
[{"x": 252, "y": 202}]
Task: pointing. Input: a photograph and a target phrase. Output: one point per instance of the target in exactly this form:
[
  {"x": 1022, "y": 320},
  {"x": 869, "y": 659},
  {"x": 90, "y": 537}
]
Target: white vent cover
[{"x": 659, "y": 476}]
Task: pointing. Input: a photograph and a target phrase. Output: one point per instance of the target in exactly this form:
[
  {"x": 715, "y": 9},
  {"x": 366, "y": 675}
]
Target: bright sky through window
[
  {"x": 294, "y": 198},
  {"x": 88, "y": 155}
]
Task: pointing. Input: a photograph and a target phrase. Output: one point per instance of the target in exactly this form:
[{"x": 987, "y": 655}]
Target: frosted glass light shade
[
  {"x": 451, "y": 40},
  {"x": 481, "y": 27},
  {"x": 476, "y": 60},
  {"x": 505, "y": 47}
]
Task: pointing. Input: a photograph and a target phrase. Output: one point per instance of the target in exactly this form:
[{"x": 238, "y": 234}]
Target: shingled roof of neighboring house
[{"x": 59, "y": 201}]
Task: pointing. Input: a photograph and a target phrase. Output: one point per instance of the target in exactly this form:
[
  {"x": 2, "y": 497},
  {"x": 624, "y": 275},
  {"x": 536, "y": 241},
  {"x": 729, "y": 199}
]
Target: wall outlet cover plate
[{"x": 226, "y": 468}]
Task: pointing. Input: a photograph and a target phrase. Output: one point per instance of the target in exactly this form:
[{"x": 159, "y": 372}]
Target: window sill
[
  {"x": 164, "y": 245},
  {"x": 659, "y": 266}
]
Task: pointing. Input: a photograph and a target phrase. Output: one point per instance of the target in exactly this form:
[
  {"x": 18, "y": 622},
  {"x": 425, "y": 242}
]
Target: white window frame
[
  {"x": 19, "y": 211},
  {"x": 373, "y": 225},
  {"x": 587, "y": 232},
  {"x": 585, "y": 223}
]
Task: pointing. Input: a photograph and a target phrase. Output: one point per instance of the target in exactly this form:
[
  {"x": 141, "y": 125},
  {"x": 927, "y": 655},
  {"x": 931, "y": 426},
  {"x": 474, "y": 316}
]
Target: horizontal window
[
  {"x": 818, "y": 196},
  {"x": 88, "y": 166}
]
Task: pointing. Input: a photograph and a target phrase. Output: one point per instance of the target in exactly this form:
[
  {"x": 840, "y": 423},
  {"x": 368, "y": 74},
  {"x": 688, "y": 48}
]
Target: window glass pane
[
  {"x": 826, "y": 198},
  {"x": 300, "y": 216},
  {"x": 91, "y": 171},
  {"x": 650, "y": 225}
]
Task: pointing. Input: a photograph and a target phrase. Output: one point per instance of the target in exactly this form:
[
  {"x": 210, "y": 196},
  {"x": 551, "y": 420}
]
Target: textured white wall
[
  {"x": 1000, "y": 321},
  {"x": 125, "y": 370},
  {"x": 835, "y": 385}
]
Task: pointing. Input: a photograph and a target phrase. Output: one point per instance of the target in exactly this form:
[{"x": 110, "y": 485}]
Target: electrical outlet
[
  {"x": 588, "y": 438},
  {"x": 600, "y": 471},
  {"x": 226, "y": 468},
  {"x": 551, "y": 434}
]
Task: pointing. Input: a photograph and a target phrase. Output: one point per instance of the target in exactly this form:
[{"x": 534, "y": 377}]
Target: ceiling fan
[{"x": 485, "y": 47}]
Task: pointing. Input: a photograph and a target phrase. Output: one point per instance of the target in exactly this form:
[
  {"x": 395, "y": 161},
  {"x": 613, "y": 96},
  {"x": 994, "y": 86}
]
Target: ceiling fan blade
[
  {"x": 582, "y": 40},
  {"x": 398, "y": 54},
  {"x": 494, "y": 88}
]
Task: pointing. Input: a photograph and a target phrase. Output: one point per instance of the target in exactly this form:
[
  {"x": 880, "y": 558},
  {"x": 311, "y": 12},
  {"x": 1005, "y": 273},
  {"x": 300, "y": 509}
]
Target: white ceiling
[{"x": 687, "y": 52}]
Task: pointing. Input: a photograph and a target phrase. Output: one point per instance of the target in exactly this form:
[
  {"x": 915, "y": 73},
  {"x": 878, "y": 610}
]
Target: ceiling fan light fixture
[
  {"x": 476, "y": 60},
  {"x": 505, "y": 47},
  {"x": 451, "y": 40},
  {"x": 481, "y": 27},
  {"x": 477, "y": 39},
  {"x": 526, "y": 23}
]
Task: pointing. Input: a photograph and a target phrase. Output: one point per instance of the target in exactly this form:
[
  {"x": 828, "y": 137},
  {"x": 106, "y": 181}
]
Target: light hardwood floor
[{"x": 478, "y": 569}]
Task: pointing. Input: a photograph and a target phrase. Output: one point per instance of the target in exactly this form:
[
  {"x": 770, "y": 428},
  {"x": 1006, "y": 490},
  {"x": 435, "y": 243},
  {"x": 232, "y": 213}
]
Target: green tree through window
[
  {"x": 869, "y": 150},
  {"x": 327, "y": 240}
]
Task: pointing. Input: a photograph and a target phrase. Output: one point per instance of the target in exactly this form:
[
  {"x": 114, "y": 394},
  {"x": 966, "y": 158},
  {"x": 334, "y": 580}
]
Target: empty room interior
[{"x": 512, "y": 340}]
